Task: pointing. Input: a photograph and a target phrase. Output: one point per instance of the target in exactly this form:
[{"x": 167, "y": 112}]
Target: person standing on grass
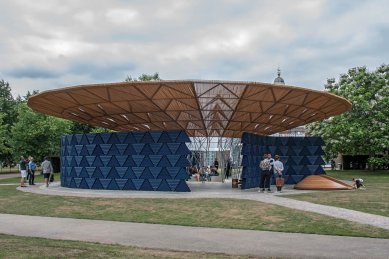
[
  {"x": 47, "y": 169},
  {"x": 31, "y": 170},
  {"x": 23, "y": 171}
]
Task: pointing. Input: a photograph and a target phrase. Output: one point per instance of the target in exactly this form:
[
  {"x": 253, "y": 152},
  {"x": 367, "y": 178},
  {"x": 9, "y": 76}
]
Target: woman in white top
[{"x": 278, "y": 166}]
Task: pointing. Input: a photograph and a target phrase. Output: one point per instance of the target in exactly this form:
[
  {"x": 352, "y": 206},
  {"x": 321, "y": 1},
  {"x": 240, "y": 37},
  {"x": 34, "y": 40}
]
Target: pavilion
[{"x": 154, "y": 120}]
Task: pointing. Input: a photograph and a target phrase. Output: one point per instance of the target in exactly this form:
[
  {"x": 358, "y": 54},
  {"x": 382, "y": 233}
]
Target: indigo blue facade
[
  {"x": 301, "y": 156},
  {"x": 143, "y": 161}
]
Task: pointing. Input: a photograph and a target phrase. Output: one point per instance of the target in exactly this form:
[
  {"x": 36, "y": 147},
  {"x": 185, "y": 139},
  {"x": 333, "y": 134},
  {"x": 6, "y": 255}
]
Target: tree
[
  {"x": 7, "y": 104},
  {"x": 145, "y": 77},
  {"x": 7, "y": 119},
  {"x": 80, "y": 128},
  {"x": 37, "y": 134},
  {"x": 365, "y": 128},
  {"x": 31, "y": 94},
  {"x": 5, "y": 147}
]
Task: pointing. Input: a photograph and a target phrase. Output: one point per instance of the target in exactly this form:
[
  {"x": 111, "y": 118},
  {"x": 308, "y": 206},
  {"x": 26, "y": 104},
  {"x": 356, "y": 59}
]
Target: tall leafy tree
[
  {"x": 7, "y": 104},
  {"x": 8, "y": 117},
  {"x": 37, "y": 134},
  {"x": 365, "y": 128},
  {"x": 145, "y": 77},
  {"x": 5, "y": 147}
]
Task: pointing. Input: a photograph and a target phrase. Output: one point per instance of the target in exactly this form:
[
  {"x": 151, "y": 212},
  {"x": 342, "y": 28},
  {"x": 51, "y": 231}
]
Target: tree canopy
[
  {"x": 145, "y": 77},
  {"x": 36, "y": 134},
  {"x": 7, "y": 104},
  {"x": 365, "y": 128}
]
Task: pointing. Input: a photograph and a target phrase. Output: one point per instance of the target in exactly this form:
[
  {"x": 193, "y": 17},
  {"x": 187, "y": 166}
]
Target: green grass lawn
[
  {"x": 375, "y": 199},
  {"x": 27, "y": 247},
  {"x": 220, "y": 213},
  {"x": 7, "y": 170},
  {"x": 16, "y": 180}
]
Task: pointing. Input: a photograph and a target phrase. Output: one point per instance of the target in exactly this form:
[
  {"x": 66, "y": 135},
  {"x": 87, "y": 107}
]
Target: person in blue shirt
[{"x": 31, "y": 170}]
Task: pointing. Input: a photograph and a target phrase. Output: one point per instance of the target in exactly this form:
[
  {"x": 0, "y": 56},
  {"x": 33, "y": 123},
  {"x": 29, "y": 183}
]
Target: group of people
[
  {"x": 271, "y": 168},
  {"x": 205, "y": 173},
  {"x": 28, "y": 167}
]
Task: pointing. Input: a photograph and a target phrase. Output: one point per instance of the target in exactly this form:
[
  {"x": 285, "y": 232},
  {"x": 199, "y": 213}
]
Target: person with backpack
[
  {"x": 266, "y": 174},
  {"x": 272, "y": 170},
  {"x": 47, "y": 170}
]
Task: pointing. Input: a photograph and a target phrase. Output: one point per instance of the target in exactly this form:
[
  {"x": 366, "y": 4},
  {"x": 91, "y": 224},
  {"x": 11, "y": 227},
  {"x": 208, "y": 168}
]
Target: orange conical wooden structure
[{"x": 321, "y": 182}]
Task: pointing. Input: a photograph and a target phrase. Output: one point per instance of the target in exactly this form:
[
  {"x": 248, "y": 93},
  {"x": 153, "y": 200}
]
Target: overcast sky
[{"x": 46, "y": 44}]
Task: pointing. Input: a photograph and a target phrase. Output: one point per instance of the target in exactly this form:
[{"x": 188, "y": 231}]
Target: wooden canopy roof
[{"x": 201, "y": 108}]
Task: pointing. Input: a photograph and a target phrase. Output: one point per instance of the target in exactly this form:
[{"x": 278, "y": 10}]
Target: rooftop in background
[{"x": 201, "y": 108}]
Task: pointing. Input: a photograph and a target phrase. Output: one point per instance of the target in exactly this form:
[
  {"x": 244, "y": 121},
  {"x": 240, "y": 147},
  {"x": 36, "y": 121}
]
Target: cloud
[
  {"x": 32, "y": 72},
  {"x": 49, "y": 44},
  {"x": 120, "y": 16},
  {"x": 101, "y": 71}
]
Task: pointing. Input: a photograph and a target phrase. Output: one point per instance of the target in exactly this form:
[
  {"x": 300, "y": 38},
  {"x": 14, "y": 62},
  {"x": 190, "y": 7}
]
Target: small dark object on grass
[{"x": 358, "y": 183}]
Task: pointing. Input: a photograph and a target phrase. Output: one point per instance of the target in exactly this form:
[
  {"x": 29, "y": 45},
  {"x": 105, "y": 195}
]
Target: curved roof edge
[{"x": 206, "y": 108}]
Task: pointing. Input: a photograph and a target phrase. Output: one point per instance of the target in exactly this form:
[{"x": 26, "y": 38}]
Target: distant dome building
[
  {"x": 295, "y": 132},
  {"x": 279, "y": 80}
]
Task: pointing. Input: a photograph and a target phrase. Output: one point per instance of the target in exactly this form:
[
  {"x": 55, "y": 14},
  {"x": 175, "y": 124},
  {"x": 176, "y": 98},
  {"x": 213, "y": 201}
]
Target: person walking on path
[
  {"x": 278, "y": 169},
  {"x": 31, "y": 170},
  {"x": 265, "y": 174},
  {"x": 23, "y": 171},
  {"x": 47, "y": 169}
]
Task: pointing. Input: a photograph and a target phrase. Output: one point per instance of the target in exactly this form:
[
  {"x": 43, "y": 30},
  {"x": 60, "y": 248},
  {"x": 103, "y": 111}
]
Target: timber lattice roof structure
[{"x": 201, "y": 108}]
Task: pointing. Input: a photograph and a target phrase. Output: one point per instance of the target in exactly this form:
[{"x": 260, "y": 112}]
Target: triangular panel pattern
[
  {"x": 147, "y": 161},
  {"x": 301, "y": 156}
]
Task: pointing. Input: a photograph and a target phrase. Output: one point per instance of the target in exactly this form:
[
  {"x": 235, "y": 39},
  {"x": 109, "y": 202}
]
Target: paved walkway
[
  {"x": 219, "y": 190},
  {"x": 11, "y": 175},
  {"x": 214, "y": 240}
]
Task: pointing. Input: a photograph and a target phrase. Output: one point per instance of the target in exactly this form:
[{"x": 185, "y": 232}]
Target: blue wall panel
[
  {"x": 144, "y": 161},
  {"x": 301, "y": 157}
]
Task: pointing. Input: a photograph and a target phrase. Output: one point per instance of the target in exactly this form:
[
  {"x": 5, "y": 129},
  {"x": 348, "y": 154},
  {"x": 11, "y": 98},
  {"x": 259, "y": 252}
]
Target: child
[{"x": 358, "y": 183}]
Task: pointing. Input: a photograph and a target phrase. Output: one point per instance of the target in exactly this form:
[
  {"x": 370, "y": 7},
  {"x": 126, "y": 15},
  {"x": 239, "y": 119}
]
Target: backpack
[{"x": 265, "y": 165}]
